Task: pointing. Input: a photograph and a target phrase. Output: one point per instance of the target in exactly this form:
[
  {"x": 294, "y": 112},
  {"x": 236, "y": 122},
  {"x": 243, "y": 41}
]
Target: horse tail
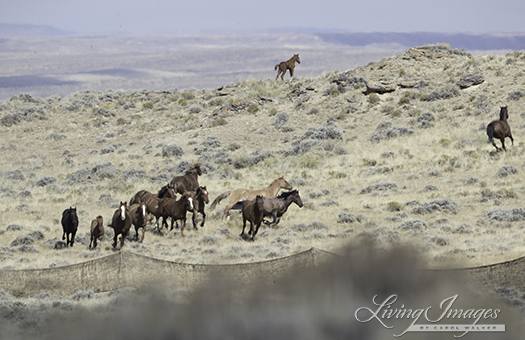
[
  {"x": 490, "y": 132},
  {"x": 276, "y": 67},
  {"x": 219, "y": 198}
]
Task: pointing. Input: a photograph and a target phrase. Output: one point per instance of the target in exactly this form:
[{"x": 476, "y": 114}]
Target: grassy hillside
[{"x": 411, "y": 166}]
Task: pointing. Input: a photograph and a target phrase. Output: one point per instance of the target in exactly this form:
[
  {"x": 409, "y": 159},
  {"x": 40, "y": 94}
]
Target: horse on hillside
[
  {"x": 152, "y": 201},
  {"x": 238, "y": 195},
  {"x": 500, "y": 129},
  {"x": 97, "y": 231},
  {"x": 69, "y": 225},
  {"x": 287, "y": 65},
  {"x": 138, "y": 219},
  {"x": 200, "y": 199},
  {"x": 189, "y": 181},
  {"x": 176, "y": 210},
  {"x": 252, "y": 212},
  {"x": 121, "y": 223}
]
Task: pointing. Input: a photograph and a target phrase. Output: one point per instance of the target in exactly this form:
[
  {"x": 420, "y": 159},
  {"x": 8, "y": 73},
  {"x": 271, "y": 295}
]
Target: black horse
[{"x": 70, "y": 225}]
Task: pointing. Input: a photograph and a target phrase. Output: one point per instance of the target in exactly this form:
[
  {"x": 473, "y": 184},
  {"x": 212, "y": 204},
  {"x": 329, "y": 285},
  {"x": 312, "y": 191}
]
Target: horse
[
  {"x": 170, "y": 207},
  {"x": 277, "y": 206},
  {"x": 152, "y": 201},
  {"x": 287, "y": 65},
  {"x": 238, "y": 195},
  {"x": 121, "y": 223},
  {"x": 138, "y": 219},
  {"x": 200, "y": 199},
  {"x": 189, "y": 181},
  {"x": 140, "y": 196},
  {"x": 69, "y": 225},
  {"x": 500, "y": 129},
  {"x": 252, "y": 211},
  {"x": 97, "y": 231}
]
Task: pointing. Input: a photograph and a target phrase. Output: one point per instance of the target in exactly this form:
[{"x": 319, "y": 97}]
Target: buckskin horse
[
  {"x": 238, "y": 195},
  {"x": 283, "y": 66},
  {"x": 500, "y": 129}
]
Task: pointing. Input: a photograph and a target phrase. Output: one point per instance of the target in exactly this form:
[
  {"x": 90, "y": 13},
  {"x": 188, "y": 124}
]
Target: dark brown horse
[
  {"x": 500, "y": 129},
  {"x": 121, "y": 223},
  {"x": 152, "y": 201},
  {"x": 200, "y": 199},
  {"x": 139, "y": 217},
  {"x": 176, "y": 210},
  {"x": 189, "y": 181},
  {"x": 252, "y": 212},
  {"x": 276, "y": 207},
  {"x": 287, "y": 65},
  {"x": 69, "y": 225},
  {"x": 97, "y": 231}
]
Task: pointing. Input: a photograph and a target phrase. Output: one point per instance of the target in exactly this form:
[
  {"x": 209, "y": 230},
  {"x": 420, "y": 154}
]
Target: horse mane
[
  {"x": 194, "y": 168},
  {"x": 162, "y": 191},
  {"x": 287, "y": 193}
]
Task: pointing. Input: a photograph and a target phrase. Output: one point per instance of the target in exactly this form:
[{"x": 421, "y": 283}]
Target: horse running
[
  {"x": 287, "y": 65},
  {"x": 500, "y": 129},
  {"x": 189, "y": 181},
  {"x": 138, "y": 219},
  {"x": 69, "y": 225},
  {"x": 252, "y": 212},
  {"x": 97, "y": 231},
  {"x": 170, "y": 207},
  {"x": 238, "y": 195},
  {"x": 121, "y": 223},
  {"x": 152, "y": 201},
  {"x": 200, "y": 199}
]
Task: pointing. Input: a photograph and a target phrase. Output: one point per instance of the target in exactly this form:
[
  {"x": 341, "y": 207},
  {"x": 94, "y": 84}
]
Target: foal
[
  {"x": 287, "y": 65},
  {"x": 500, "y": 129}
]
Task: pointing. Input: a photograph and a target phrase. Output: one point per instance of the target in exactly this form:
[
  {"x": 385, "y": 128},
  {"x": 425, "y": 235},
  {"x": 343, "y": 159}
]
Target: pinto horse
[
  {"x": 500, "y": 129},
  {"x": 282, "y": 67},
  {"x": 239, "y": 195}
]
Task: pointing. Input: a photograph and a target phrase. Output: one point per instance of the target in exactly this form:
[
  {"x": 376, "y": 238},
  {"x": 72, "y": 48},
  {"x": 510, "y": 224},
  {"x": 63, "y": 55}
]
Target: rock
[
  {"x": 379, "y": 87},
  {"x": 470, "y": 79}
]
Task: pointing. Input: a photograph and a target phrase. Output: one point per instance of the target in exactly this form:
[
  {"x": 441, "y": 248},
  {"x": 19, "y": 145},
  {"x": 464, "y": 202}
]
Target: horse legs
[
  {"x": 123, "y": 237},
  {"x": 227, "y": 210},
  {"x": 195, "y": 213},
  {"x": 143, "y": 232},
  {"x": 278, "y": 73},
  {"x": 503, "y": 143},
  {"x": 182, "y": 223},
  {"x": 203, "y": 218},
  {"x": 243, "y": 226},
  {"x": 115, "y": 240},
  {"x": 291, "y": 74}
]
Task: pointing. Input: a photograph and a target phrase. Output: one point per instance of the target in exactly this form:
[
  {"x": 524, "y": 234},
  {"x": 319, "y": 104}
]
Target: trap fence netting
[{"x": 127, "y": 269}]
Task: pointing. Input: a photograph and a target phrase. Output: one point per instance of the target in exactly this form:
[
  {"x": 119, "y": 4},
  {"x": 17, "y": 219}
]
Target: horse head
[
  {"x": 297, "y": 199},
  {"x": 504, "y": 113},
  {"x": 203, "y": 192},
  {"x": 123, "y": 207},
  {"x": 283, "y": 183},
  {"x": 296, "y": 57}
]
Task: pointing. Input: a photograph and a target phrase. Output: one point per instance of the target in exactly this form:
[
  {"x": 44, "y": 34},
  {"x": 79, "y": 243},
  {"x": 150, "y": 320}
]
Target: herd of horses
[
  {"x": 254, "y": 204},
  {"x": 145, "y": 206}
]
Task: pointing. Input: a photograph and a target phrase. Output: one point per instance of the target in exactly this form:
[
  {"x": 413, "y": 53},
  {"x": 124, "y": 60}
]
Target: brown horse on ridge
[
  {"x": 287, "y": 65},
  {"x": 500, "y": 129},
  {"x": 244, "y": 194},
  {"x": 189, "y": 181}
]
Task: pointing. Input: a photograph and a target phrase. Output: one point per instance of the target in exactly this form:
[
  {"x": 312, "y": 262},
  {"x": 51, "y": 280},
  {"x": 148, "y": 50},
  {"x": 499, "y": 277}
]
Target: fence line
[{"x": 127, "y": 269}]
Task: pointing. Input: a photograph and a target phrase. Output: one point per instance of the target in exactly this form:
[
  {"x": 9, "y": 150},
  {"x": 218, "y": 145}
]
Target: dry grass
[{"x": 397, "y": 170}]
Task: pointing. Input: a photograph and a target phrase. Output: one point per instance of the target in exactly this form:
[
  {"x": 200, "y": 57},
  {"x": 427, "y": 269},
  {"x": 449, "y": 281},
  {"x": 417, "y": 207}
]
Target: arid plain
[{"x": 410, "y": 168}]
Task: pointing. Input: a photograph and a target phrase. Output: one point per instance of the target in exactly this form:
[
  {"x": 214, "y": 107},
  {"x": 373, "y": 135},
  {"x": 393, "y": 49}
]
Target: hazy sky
[{"x": 243, "y": 16}]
